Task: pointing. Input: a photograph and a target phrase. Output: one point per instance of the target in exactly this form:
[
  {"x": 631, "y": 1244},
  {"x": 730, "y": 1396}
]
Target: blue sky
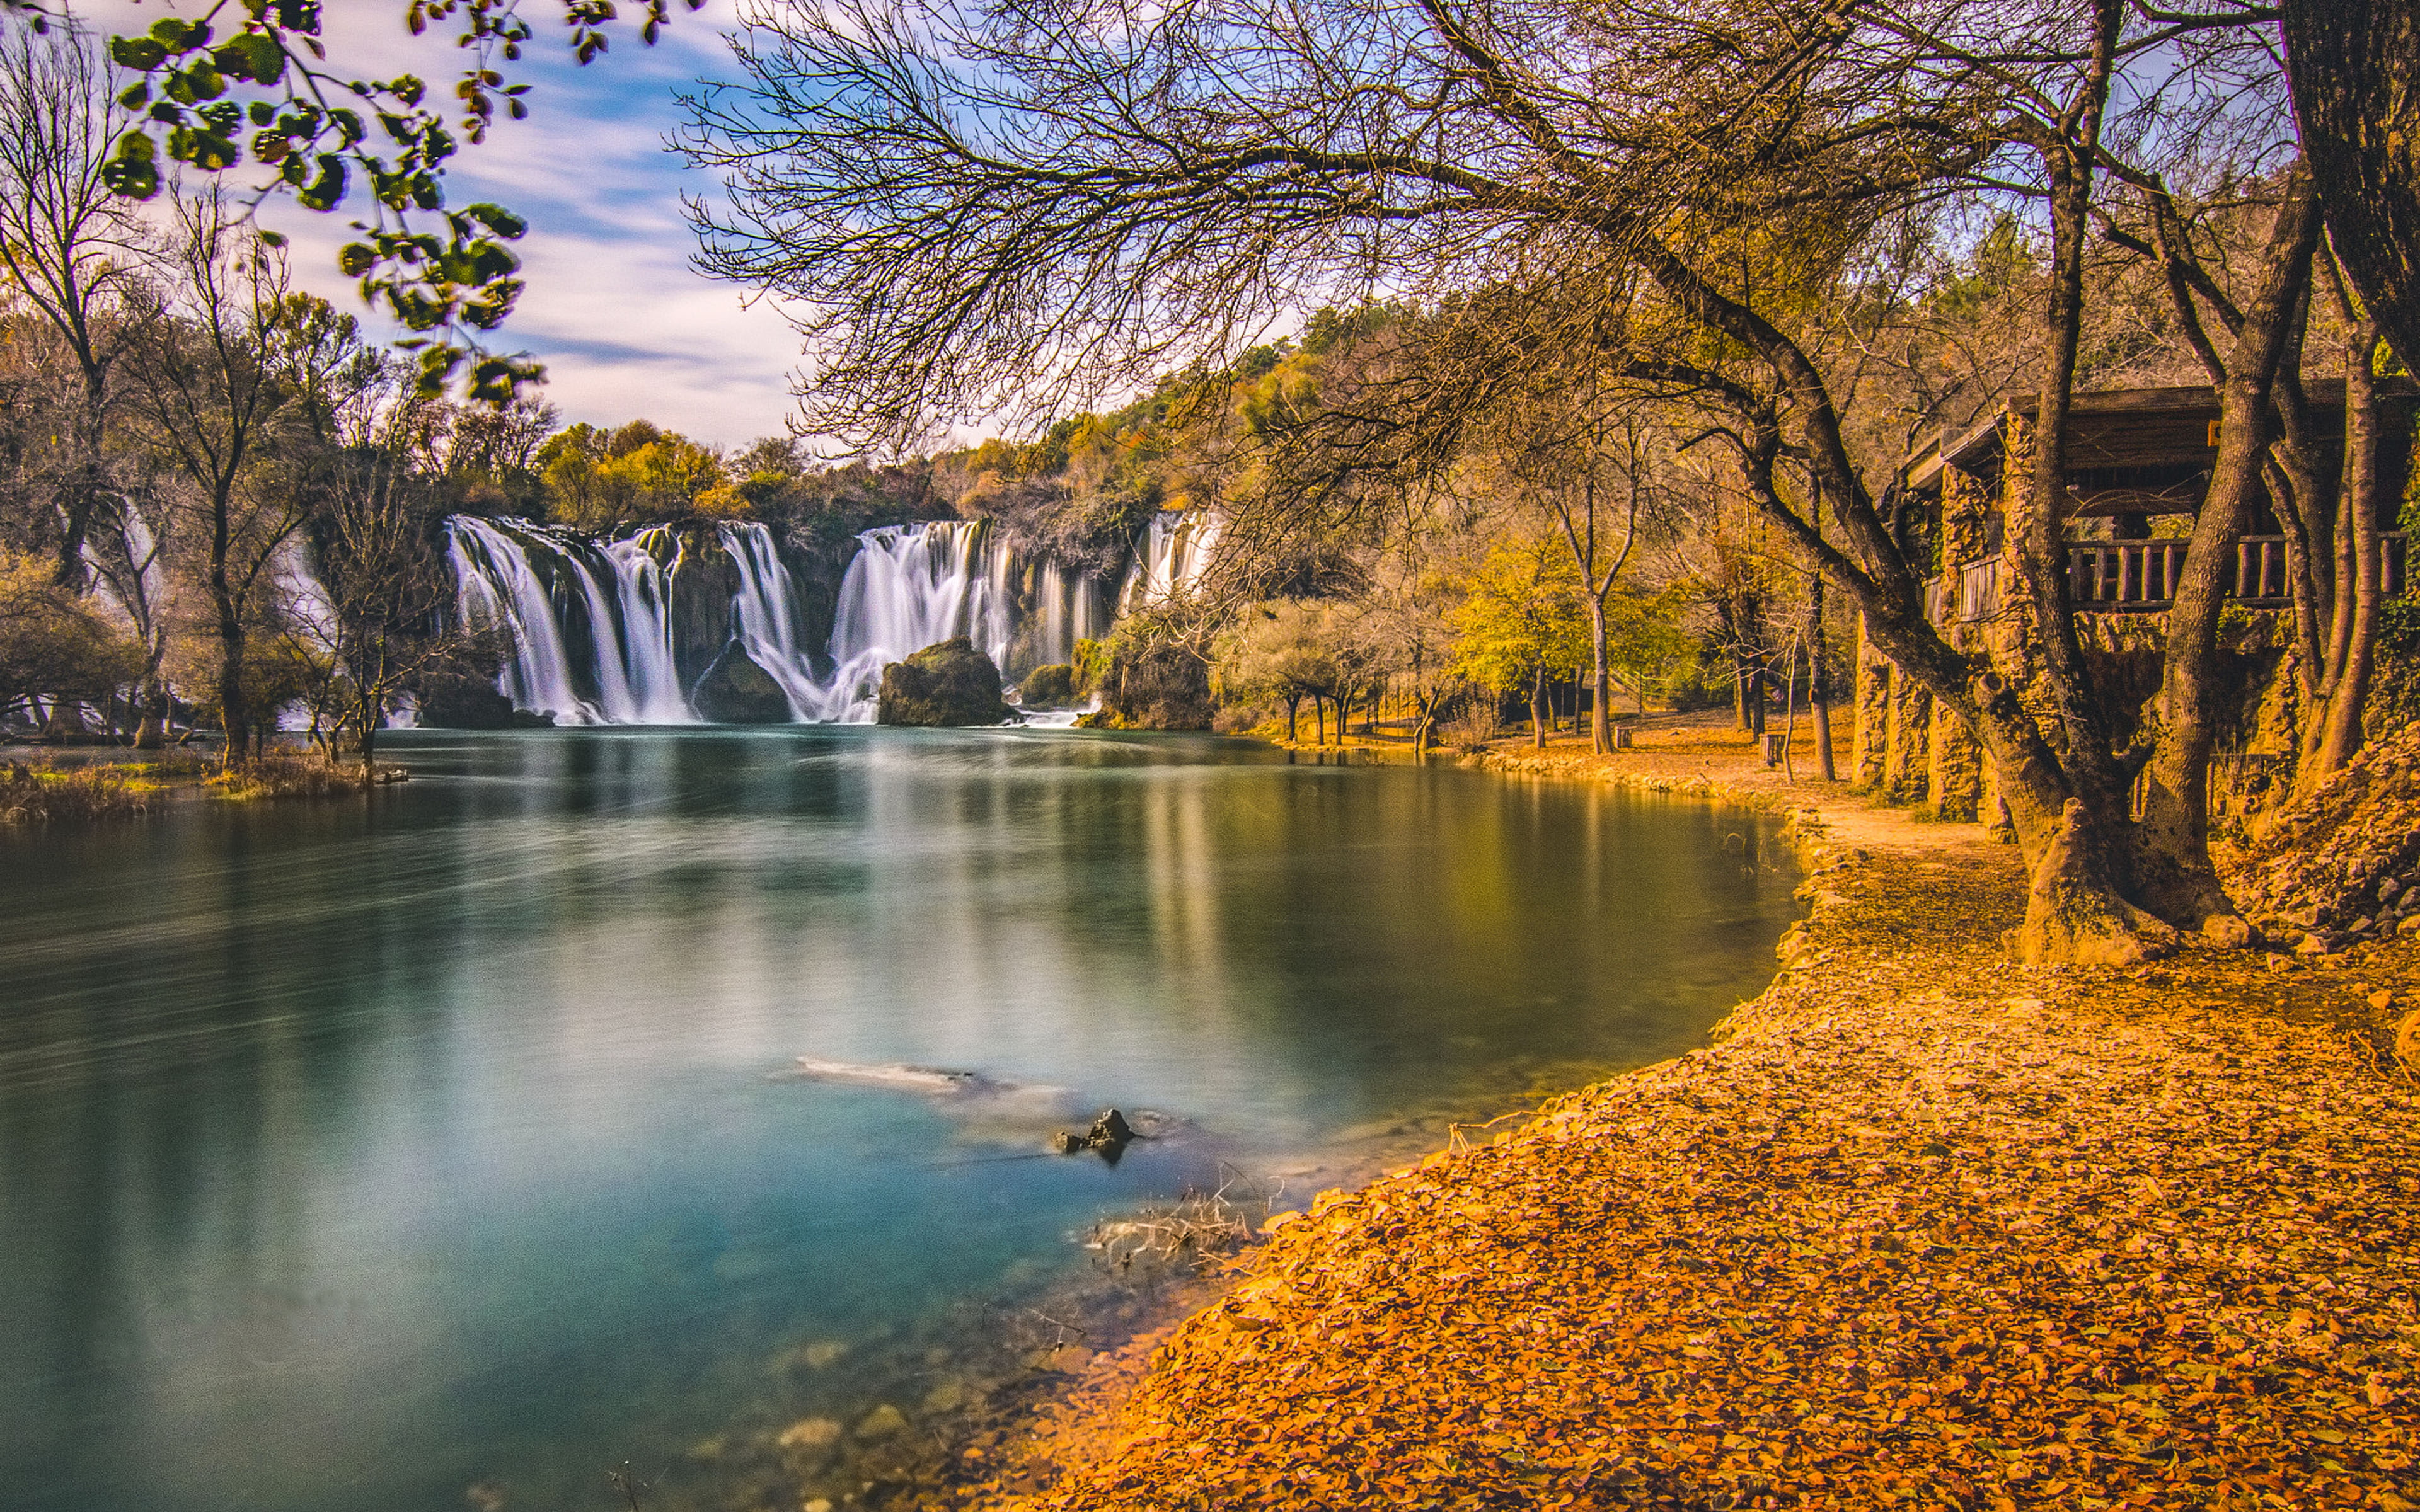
[{"x": 626, "y": 325}]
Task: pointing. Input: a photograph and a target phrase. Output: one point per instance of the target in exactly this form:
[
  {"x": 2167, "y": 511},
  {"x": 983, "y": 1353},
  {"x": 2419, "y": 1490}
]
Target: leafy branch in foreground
[{"x": 250, "y": 81}]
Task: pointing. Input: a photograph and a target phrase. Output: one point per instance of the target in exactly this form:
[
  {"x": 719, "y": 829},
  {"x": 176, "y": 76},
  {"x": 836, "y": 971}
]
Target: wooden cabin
[{"x": 2138, "y": 463}]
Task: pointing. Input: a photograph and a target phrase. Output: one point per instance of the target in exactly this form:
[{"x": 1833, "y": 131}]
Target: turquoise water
[{"x": 435, "y": 1151}]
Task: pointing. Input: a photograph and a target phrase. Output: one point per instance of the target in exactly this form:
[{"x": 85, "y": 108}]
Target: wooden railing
[{"x": 2119, "y": 577}]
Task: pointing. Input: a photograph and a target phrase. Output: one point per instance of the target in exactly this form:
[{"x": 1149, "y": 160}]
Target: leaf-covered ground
[{"x": 1923, "y": 1228}]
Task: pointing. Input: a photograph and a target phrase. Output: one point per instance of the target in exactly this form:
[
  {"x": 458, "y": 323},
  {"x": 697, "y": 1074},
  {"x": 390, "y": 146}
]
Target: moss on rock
[{"x": 944, "y": 686}]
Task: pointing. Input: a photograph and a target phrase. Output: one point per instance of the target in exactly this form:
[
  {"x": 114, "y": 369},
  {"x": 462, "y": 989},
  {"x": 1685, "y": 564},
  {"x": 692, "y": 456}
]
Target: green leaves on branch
[{"x": 452, "y": 284}]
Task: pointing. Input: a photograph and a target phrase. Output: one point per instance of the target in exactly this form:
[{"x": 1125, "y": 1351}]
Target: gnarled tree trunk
[
  {"x": 2355, "y": 68},
  {"x": 2172, "y": 875}
]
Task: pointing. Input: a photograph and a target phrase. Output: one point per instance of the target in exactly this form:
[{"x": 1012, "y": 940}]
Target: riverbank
[{"x": 1921, "y": 1225}]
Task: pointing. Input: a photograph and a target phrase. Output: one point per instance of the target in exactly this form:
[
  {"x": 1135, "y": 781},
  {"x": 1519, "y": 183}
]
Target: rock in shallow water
[
  {"x": 946, "y": 685},
  {"x": 734, "y": 690},
  {"x": 882, "y": 1423}
]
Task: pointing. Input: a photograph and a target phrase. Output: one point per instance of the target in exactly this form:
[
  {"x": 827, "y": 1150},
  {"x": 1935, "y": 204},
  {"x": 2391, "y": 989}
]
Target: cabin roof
[{"x": 2171, "y": 430}]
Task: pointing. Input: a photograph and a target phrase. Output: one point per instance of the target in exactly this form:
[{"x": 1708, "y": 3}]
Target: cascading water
[
  {"x": 763, "y": 620},
  {"x": 497, "y": 589},
  {"x": 1175, "y": 550},
  {"x": 628, "y": 630},
  {"x": 1070, "y": 608},
  {"x": 910, "y": 586},
  {"x": 643, "y": 565},
  {"x": 591, "y": 654}
]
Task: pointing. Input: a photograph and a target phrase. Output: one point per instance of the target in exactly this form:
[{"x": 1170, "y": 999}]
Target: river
[{"x": 438, "y": 1151}]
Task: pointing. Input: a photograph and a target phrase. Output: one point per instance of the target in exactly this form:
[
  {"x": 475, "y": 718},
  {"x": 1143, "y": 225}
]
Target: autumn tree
[
  {"x": 54, "y": 641},
  {"x": 1521, "y": 625},
  {"x": 596, "y": 479},
  {"x": 1284, "y": 652}
]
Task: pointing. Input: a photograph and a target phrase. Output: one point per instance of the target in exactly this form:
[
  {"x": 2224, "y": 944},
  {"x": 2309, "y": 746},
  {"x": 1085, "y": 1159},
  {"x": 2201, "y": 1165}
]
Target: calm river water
[{"x": 435, "y": 1151}]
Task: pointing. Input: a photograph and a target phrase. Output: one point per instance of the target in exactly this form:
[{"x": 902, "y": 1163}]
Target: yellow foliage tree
[{"x": 1523, "y": 622}]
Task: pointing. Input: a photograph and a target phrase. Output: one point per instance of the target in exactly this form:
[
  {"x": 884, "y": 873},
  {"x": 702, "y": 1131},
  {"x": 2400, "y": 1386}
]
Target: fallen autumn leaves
[{"x": 1922, "y": 1230}]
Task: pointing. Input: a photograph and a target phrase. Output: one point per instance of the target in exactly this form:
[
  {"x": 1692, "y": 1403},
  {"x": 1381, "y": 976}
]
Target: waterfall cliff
[
  {"x": 596, "y": 635},
  {"x": 1171, "y": 558}
]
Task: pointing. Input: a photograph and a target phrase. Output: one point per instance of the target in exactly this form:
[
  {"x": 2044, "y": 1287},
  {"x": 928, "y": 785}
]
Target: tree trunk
[
  {"x": 1819, "y": 676},
  {"x": 2355, "y": 70},
  {"x": 2335, "y": 729},
  {"x": 2170, "y": 844},
  {"x": 1294, "y": 706},
  {"x": 2093, "y": 775},
  {"x": 1600, "y": 682},
  {"x": 1537, "y": 711},
  {"x": 235, "y": 713},
  {"x": 152, "y": 734}
]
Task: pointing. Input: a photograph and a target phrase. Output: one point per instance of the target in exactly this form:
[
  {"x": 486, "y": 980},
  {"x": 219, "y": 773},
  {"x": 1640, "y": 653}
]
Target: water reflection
[{"x": 350, "y": 1155}]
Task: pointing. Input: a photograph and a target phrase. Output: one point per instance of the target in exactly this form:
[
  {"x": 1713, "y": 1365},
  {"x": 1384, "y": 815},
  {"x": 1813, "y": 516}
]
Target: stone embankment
[{"x": 1921, "y": 1228}]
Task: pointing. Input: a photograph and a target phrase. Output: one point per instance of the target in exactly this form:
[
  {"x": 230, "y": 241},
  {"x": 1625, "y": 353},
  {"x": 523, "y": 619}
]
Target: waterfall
[
  {"x": 767, "y": 629},
  {"x": 643, "y": 584},
  {"x": 913, "y": 585},
  {"x": 592, "y": 636},
  {"x": 1175, "y": 550},
  {"x": 497, "y": 589},
  {"x": 1070, "y": 612},
  {"x": 627, "y": 630}
]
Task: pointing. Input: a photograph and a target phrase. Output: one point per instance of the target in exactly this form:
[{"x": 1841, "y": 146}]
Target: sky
[{"x": 626, "y": 325}]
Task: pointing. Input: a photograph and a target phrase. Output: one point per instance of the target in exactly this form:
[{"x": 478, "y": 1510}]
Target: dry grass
[
  {"x": 294, "y": 775},
  {"x": 1193, "y": 1233},
  {"x": 43, "y": 795}
]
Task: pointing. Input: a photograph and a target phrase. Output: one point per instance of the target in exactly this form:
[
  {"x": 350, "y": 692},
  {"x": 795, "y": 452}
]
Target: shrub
[
  {"x": 45, "y": 795},
  {"x": 279, "y": 774}
]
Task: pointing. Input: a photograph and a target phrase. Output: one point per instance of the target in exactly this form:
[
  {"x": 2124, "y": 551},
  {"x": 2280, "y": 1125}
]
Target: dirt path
[{"x": 1923, "y": 1227}]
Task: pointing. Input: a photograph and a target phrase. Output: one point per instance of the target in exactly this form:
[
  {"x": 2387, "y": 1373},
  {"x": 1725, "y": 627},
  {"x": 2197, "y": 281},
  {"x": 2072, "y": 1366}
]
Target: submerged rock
[
  {"x": 809, "y": 1433},
  {"x": 882, "y": 1423},
  {"x": 734, "y": 690},
  {"x": 1110, "y": 1134},
  {"x": 944, "y": 685}
]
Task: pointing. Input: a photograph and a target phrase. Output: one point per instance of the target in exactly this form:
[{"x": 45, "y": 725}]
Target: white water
[
  {"x": 909, "y": 587},
  {"x": 912, "y": 586},
  {"x": 1175, "y": 552},
  {"x": 767, "y": 629},
  {"x": 1069, "y": 608},
  {"x": 630, "y": 628},
  {"x": 643, "y": 565}
]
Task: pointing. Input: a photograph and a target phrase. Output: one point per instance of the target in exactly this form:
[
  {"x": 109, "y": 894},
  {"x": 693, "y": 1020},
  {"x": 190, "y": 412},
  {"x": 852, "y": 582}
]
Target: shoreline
[{"x": 1919, "y": 1221}]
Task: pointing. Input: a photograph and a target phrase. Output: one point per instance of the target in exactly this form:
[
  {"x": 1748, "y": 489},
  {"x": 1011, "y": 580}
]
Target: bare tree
[
  {"x": 67, "y": 244},
  {"x": 375, "y": 534},
  {"x": 210, "y": 397}
]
